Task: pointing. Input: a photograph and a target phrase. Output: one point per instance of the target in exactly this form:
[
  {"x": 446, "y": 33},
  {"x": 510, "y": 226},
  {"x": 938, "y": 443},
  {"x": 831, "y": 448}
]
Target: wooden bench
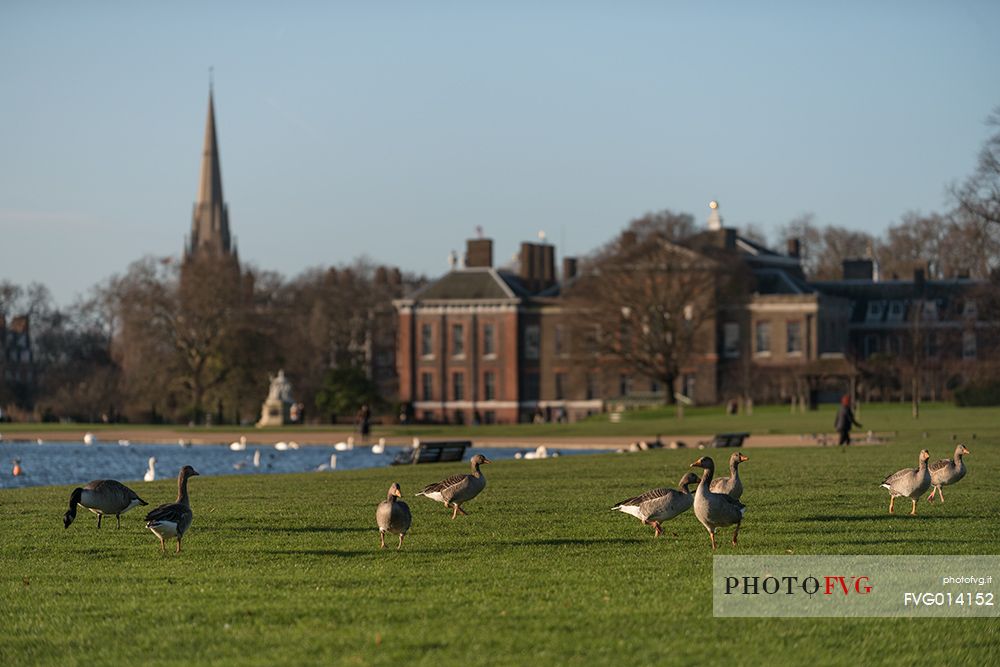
[
  {"x": 433, "y": 452},
  {"x": 728, "y": 439}
]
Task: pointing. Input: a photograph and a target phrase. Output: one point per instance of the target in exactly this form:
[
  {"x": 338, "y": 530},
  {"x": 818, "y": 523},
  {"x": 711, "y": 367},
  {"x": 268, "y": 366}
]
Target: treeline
[{"x": 196, "y": 343}]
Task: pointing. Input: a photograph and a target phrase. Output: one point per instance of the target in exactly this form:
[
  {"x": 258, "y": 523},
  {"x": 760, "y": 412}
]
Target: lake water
[{"x": 76, "y": 463}]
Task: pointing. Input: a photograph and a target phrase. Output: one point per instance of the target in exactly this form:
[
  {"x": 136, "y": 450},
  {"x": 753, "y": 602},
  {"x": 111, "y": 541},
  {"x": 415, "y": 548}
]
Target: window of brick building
[
  {"x": 793, "y": 338},
  {"x": 969, "y": 345},
  {"x": 532, "y": 339},
  {"x": 489, "y": 344},
  {"x": 426, "y": 340},
  {"x": 458, "y": 386},
  {"x": 426, "y": 386},
  {"x": 731, "y": 340},
  {"x": 457, "y": 340},
  {"x": 560, "y": 340},
  {"x": 560, "y": 386},
  {"x": 489, "y": 386},
  {"x": 763, "y": 338}
]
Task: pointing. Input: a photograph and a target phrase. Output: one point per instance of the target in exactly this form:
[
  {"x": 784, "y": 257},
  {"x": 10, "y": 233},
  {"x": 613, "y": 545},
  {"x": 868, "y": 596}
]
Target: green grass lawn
[
  {"x": 285, "y": 569},
  {"x": 937, "y": 419}
]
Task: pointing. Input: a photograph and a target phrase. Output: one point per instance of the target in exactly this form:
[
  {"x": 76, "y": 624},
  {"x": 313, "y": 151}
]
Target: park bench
[
  {"x": 728, "y": 439},
  {"x": 433, "y": 452}
]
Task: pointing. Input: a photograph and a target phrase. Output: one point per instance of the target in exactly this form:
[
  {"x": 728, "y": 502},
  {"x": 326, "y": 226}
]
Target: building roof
[{"x": 472, "y": 284}]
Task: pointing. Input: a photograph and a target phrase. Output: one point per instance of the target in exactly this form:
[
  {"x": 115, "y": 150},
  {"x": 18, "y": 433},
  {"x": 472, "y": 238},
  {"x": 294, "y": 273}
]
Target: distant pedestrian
[
  {"x": 364, "y": 422},
  {"x": 845, "y": 419}
]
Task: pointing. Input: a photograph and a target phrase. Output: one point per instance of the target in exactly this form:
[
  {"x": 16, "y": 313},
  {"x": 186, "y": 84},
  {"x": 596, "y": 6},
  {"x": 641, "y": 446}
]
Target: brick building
[{"x": 506, "y": 345}]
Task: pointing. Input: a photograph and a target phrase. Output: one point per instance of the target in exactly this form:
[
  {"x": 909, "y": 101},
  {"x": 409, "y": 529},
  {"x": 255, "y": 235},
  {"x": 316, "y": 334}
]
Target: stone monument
[{"x": 277, "y": 405}]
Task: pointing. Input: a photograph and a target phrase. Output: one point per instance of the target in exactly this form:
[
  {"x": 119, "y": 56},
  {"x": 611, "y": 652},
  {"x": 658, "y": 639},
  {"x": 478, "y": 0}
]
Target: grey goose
[
  {"x": 947, "y": 471},
  {"x": 658, "y": 505},
  {"x": 715, "y": 510},
  {"x": 102, "y": 496},
  {"x": 909, "y": 482},
  {"x": 458, "y": 489},
  {"x": 173, "y": 519},
  {"x": 731, "y": 486},
  {"x": 393, "y": 516}
]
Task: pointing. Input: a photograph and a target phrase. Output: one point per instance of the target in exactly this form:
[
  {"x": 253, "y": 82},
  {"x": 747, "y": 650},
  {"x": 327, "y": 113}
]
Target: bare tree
[
  {"x": 979, "y": 195},
  {"x": 648, "y": 302}
]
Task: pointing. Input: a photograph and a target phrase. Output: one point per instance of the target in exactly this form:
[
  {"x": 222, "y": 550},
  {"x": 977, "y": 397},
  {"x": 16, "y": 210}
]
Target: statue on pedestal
[{"x": 277, "y": 405}]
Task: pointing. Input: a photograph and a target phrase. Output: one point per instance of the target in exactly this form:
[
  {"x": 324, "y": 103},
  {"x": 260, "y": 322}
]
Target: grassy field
[
  {"x": 286, "y": 570},
  {"x": 937, "y": 419}
]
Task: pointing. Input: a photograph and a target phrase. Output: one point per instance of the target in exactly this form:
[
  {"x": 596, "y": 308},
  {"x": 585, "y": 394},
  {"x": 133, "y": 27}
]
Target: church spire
[{"x": 210, "y": 222}]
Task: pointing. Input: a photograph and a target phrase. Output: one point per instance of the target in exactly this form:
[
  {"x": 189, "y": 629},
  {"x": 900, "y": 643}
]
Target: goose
[
  {"x": 332, "y": 465},
  {"x": 89, "y": 438},
  {"x": 151, "y": 472},
  {"x": 102, "y": 496},
  {"x": 173, "y": 519},
  {"x": 458, "y": 489},
  {"x": 660, "y": 505},
  {"x": 239, "y": 445},
  {"x": 909, "y": 482},
  {"x": 281, "y": 446},
  {"x": 947, "y": 471},
  {"x": 715, "y": 510},
  {"x": 731, "y": 486},
  {"x": 393, "y": 516}
]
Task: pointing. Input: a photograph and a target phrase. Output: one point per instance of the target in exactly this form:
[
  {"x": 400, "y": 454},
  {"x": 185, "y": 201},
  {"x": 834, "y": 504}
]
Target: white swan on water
[
  {"x": 332, "y": 465},
  {"x": 89, "y": 438},
  {"x": 345, "y": 446},
  {"x": 380, "y": 447},
  {"x": 151, "y": 472},
  {"x": 239, "y": 445}
]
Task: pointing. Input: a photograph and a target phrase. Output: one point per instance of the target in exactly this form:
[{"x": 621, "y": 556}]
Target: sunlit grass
[{"x": 285, "y": 569}]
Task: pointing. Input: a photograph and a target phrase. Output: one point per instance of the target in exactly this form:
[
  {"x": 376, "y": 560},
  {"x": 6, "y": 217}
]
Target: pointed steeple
[{"x": 210, "y": 222}]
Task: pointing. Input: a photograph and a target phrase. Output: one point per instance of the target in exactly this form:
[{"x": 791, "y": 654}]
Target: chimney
[
  {"x": 528, "y": 274},
  {"x": 569, "y": 268},
  {"x": 858, "y": 269},
  {"x": 794, "y": 248},
  {"x": 479, "y": 252},
  {"x": 548, "y": 254},
  {"x": 726, "y": 237}
]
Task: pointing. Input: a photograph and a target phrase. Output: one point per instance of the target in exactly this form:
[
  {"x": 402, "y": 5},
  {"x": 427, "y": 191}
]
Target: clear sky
[{"x": 394, "y": 129}]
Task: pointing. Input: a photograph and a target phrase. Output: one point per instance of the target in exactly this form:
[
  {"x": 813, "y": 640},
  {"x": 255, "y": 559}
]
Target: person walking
[
  {"x": 364, "y": 422},
  {"x": 845, "y": 419}
]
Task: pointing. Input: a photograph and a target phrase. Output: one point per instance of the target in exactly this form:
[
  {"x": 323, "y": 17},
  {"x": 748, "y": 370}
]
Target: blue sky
[{"x": 394, "y": 129}]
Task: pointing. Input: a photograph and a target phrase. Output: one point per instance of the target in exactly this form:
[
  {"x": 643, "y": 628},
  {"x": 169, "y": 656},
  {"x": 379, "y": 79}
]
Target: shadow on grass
[
  {"x": 316, "y": 529},
  {"x": 341, "y": 553},
  {"x": 560, "y": 541},
  {"x": 884, "y": 517}
]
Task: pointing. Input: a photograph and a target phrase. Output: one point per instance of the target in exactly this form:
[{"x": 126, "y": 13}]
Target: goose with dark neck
[
  {"x": 947, "y": 471},
  {"x": 173, "y": 519},
  {"x": 458, "y": 489},
  {"x": 393, "y": 516},
  {"x": 909, "y": 482},
  {"x": 102, "y": 496},
  {"x": 715, "y": 510}
]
